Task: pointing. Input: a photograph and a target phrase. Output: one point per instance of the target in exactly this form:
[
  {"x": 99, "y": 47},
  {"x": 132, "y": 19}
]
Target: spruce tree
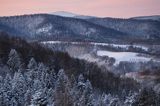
[{"x": 14, "y": 61}]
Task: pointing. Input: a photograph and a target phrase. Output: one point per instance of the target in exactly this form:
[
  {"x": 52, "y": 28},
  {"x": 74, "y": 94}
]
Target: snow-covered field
[
  {"x": 119, "y": 56},
  {"x": 123, "y": 56}
]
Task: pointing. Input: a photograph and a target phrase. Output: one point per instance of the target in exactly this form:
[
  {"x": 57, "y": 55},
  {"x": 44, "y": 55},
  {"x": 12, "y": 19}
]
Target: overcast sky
[{"x": 102, "y": 8}]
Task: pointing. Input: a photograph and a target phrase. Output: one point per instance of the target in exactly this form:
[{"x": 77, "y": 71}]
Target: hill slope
[
  {"x": 135, "y": 29},
  {"x": 50, "y": 27},
  {"x": 154, "y": 17}
]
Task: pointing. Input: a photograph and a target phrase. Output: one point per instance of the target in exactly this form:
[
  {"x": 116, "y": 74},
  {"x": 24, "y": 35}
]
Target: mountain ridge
[
  {"x": 152, "y": 17},
  {"x": 50, "y": 26},
  {"x": 53, "y": 27},
  {"x": 71, "y": 15}
]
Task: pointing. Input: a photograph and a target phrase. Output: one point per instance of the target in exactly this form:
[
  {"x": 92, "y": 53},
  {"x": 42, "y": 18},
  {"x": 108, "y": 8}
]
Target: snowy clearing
[{"x": 123, "y": 56}]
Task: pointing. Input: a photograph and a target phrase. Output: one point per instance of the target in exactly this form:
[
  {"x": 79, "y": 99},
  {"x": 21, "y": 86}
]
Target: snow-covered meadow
[
  {"x": 119, "y": 56},
  {"x": 123, "y": 56}
]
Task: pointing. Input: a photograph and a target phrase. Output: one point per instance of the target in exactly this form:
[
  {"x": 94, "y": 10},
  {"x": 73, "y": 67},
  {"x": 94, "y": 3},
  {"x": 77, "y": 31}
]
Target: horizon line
[{"x": 51, "y": 13}]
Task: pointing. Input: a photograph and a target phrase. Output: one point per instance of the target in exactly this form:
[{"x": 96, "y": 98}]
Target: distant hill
[
  {"x": 135, "y": 29},
  {"x": 64, "y": 14},
  {"x": 154, "y": 17},
  {"x": 53, "y": 27},
  {"x": 71, "y": 15}
]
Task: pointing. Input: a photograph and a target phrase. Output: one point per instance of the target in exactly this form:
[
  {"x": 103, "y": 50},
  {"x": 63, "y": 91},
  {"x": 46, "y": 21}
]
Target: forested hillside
[
  {"x": 136, "y": 29},
  {"x": 50, "y": 27},
  {"x": 34, "y": 75},
  {"x": 111, "y": 30}
]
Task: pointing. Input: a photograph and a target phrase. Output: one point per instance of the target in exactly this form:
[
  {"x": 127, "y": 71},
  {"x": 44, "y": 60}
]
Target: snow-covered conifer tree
[{"x": 14, "y": 61}]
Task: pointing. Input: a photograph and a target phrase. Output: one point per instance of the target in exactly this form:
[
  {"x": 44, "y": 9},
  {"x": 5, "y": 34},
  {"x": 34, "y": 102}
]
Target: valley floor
[{"x": 116, "y": 57}]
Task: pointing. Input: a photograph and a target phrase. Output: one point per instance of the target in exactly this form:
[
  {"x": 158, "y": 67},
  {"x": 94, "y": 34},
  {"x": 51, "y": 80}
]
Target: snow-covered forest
[
  {"x": 66, "y": 59},
  {"x": 31, "y": 75}
]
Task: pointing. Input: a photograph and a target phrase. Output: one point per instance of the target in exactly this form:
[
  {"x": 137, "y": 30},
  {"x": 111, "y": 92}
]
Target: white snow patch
[
  {"x": 123, "y": 56},
  {"x": 46, "y": 28},
  {"x": 52, "y": 42}
]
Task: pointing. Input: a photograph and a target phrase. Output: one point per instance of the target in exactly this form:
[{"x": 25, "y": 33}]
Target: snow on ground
[
  {"x": 123, "y": 56},
  {"x": 99, "y": 44},
  {"x": 52, "y": 42},
  {"x": 46, "y": 28},
  {"x": 120, "y": 45},
  {"x": 119, "y": 56}
]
